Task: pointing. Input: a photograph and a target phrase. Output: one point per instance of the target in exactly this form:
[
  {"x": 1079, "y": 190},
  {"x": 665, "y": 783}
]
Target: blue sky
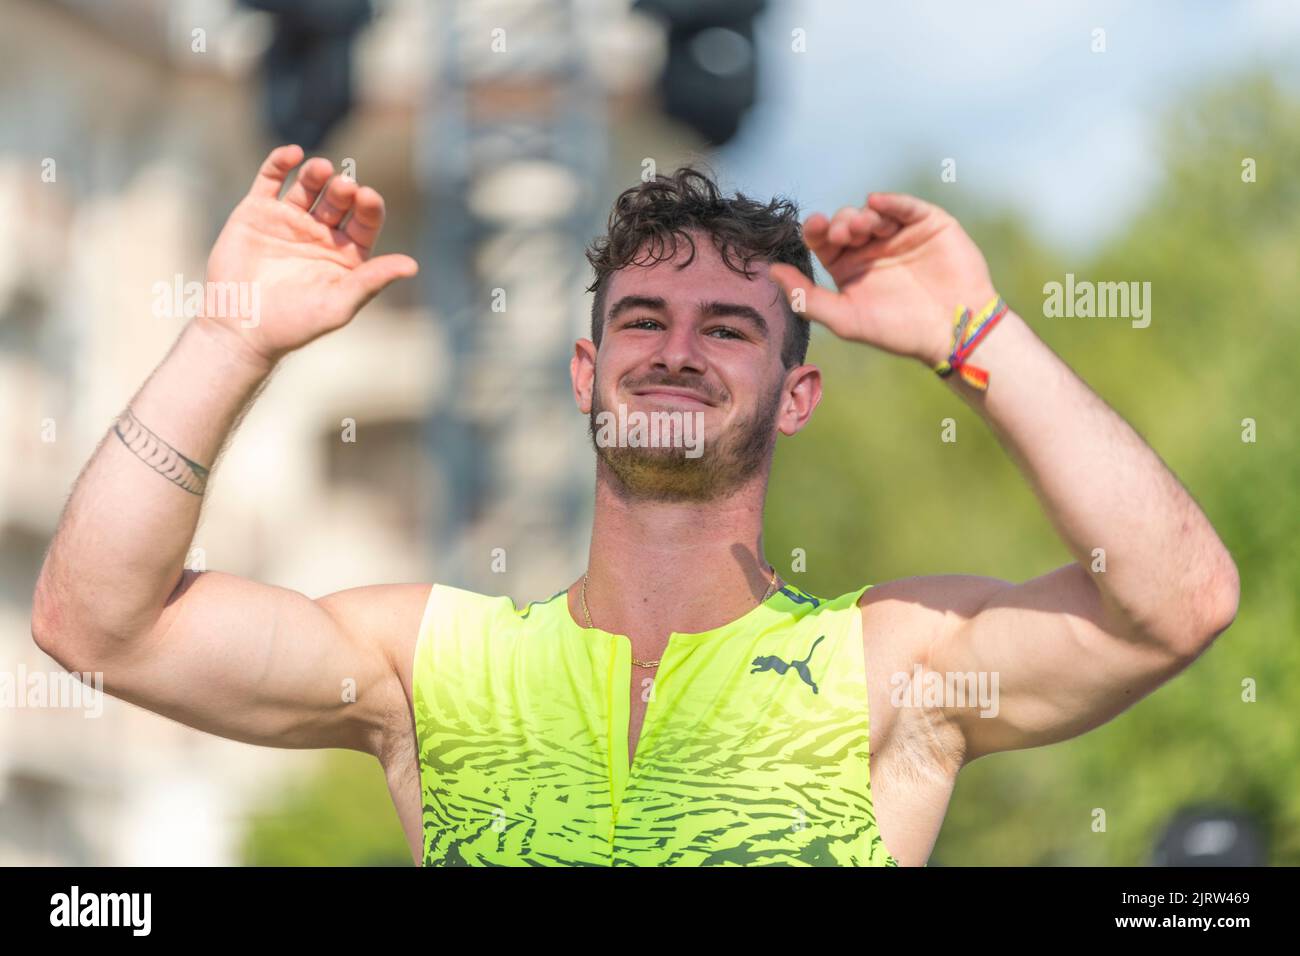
[{"x": 1012, "y": 90}]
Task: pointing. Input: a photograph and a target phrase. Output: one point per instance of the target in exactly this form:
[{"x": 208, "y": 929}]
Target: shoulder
[
  {"x": 901, "y": 621},
  {"x": 929, "y": 599},
  {"x": 391, "y": 621},
  {"x": 382, "y": 621},
  {"x": 384, "y": 616}
]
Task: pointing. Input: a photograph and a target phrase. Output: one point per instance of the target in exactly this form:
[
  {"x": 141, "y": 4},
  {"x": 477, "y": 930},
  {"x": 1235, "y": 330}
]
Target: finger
[
  {"x": 809, "y": 300},
  {"x": 367, "y": 218},
  {"x": 373, "y": 275},
  {"x": 816, "y": 231},
  {"x": 847, "y": 228},
  {"x": 275, "y": 169},
  {"x": 312, "y": 177},
  {"x": 335, "y": 201},
  {"x": 864, "y": 223},
  {"x": 900, "y": 206},
  {"x": 884, "y": 227}
]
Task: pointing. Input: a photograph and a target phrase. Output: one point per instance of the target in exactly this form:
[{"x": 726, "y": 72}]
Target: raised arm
[
  {"x": 230, "y": 656},
  {"x": 1152, "y": 584}
]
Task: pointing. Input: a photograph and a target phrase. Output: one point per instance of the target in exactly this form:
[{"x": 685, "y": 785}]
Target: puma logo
[{"x": 774, "y": 663}]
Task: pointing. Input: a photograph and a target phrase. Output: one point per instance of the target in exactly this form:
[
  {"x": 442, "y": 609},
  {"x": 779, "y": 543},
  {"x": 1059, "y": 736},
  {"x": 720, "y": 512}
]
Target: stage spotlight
[
  {"x": 307, "y": 68},
  {"x": 710, "y": 76}
]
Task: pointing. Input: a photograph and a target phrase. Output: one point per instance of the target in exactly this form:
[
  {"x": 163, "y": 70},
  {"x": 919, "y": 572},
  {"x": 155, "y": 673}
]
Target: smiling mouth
[{"x": 664, "y": 395}]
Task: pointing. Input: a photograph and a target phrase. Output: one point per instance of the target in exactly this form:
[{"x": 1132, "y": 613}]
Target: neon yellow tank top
[{"x": 753, "y": 751}]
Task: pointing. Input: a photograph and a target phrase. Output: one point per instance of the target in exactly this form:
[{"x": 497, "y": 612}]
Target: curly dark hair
[{"x": 648, "y": 218}]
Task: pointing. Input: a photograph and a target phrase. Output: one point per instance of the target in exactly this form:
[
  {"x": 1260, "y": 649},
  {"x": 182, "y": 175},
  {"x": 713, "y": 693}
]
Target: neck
[{"x": 657, "y": 567}]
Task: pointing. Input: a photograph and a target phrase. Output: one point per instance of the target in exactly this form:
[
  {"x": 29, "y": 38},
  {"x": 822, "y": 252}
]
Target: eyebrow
[
  {"x": 711, "y": 309},
  {"x": 629, "y": 302}
]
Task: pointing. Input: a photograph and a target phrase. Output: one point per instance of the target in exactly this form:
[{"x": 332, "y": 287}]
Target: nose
[{"x": 678, "y": 351}]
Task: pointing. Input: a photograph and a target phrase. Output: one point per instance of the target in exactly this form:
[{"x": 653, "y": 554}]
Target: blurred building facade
[{"x": 123, "y": 148}]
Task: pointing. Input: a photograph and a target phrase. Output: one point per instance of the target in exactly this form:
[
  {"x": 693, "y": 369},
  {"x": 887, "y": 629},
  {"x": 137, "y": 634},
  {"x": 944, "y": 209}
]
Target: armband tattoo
[{"x": 160, "y": 456}]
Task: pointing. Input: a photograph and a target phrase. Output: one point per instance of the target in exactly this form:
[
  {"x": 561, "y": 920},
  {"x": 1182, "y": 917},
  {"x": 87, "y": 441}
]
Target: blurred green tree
[
  {"x": 341, "y": 815},
  {"x": 1222, "y": 255}
]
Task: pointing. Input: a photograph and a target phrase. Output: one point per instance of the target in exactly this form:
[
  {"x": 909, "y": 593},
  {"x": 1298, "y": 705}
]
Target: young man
[{"x": 679, "y": 704}]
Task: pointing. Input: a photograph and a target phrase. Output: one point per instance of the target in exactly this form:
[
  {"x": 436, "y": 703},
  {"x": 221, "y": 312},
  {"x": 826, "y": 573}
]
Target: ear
[
  {"x": 800, "y": 395},
  {"x": 582, "y": 371}
]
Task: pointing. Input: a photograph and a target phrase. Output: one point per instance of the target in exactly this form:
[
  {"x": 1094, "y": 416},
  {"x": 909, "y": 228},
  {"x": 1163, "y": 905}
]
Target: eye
[
  {"x": 640, "y": 322},
  {"x": 731, "y": 333}
]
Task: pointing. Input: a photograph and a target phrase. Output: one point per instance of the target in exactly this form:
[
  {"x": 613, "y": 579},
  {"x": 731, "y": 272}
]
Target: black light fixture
[
  {"x": 710, "y": 78},
  {"x": 1210, "y": 836},
  {"x": 308, "y": 65}
]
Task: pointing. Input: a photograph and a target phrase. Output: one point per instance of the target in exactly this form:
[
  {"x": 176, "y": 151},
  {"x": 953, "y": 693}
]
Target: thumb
[
  {"x": 811, "y": 301},
  {"x": 372, "y": 276}
]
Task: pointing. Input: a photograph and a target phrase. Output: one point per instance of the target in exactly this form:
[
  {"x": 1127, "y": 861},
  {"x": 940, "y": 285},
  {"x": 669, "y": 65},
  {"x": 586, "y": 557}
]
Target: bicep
[
  {"x": 269, "y": 665},
  {"x": 1055, "y": 659}
]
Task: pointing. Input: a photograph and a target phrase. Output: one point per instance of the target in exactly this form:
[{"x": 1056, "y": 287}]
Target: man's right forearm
[{"x": 120, "y": 547}]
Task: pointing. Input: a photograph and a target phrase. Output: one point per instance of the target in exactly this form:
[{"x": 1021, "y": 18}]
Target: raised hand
[
  {"x": 313, "y": 270},
  {"x": 902, "y": 266}
]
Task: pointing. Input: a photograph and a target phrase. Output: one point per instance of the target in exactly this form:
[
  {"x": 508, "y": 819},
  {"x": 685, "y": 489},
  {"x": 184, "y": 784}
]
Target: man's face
[{"x": 703, "y": 341}]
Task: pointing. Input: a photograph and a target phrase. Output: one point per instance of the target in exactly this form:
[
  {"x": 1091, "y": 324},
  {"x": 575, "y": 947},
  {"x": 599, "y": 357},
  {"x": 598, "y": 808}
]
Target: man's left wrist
[
  {"x": 942, "y": 350},
  {"x": 974, "y": 321}
]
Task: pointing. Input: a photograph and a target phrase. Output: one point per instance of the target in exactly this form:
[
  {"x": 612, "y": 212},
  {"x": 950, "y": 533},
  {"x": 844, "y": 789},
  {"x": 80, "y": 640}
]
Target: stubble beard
[{"x": 666, "y": 474}]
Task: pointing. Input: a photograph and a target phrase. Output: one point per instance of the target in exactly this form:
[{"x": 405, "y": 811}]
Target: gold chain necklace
[{"x": 770, "y": 587}]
